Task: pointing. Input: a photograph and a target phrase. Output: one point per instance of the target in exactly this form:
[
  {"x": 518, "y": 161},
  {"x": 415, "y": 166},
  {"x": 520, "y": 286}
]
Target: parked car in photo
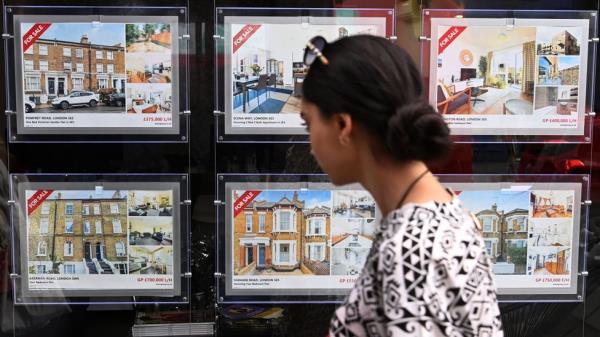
[
  {"x": 158, "y": 236},
  {"x": 29, "y": 106},
  {"x": 76, "y": 98},
  {"x": 117, "y": 99}
]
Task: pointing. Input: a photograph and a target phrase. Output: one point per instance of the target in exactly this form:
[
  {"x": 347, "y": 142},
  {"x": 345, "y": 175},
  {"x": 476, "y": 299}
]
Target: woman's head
[{"x": 369, "y": 96}]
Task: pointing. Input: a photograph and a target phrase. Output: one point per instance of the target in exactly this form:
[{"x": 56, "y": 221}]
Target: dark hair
[{"x": 378, "y": 84}]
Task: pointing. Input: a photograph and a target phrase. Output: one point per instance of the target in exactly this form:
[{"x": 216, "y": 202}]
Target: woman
[{"x": 427, "y": 273}]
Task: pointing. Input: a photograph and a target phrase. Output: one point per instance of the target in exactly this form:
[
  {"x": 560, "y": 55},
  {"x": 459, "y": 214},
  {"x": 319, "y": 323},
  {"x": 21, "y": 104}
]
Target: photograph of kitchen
[
  {"x": 152, "y": 260},
  {"x": 552, "y": 260},
  {"x": 267, "y": 61},
  {"x": 351, "y": 241},
  {"x": 487, "y": 70},
  {"x": 148, "y": 98}
]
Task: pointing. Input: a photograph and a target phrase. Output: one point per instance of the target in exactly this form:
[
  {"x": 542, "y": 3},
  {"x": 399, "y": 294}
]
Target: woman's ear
[{"x": 344, "y": 124}]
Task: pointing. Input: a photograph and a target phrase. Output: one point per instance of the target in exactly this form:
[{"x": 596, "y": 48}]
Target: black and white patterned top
[{"x": 427, "y": 275}]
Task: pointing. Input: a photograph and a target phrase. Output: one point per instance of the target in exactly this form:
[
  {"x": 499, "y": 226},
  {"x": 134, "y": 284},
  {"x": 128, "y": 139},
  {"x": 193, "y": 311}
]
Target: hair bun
[{"x": 417, "y": 131}]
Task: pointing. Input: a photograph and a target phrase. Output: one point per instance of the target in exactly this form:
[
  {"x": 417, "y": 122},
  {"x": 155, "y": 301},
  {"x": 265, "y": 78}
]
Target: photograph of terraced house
[
  {"x": 552, "y": 204},
  {"x": 74, "y": 58},
  {"x": 504, "y": 219},
  {"x": 78, "y": 232},
  {"x": 283, "y": 232},
  {"x": 350, "y": 245}
]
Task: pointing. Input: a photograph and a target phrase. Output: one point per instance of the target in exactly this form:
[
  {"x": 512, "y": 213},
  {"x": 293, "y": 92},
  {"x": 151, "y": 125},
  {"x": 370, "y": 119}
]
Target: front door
[
  {"x": 249, "y": 255},
  {"x": 88, "y": 251},
  {"x": 99, "y": 251},
  {"x": 51, "y": 86},
  {"x": 61, "y": 86},
  {"x": 261, "y": 255}
]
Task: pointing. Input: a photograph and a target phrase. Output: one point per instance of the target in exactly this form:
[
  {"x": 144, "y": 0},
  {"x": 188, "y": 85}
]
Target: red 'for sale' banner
[
  {"x": 36, "y": 200},
  {"x": 243, "y": 35},
  {"x": 33, "y": 34},
  {"x": 243, "y": 201},
  {"x": 449, "y": 36}
]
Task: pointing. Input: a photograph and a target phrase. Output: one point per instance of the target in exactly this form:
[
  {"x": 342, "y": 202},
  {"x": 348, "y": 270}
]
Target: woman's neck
[{"x": 388, "y": 182}]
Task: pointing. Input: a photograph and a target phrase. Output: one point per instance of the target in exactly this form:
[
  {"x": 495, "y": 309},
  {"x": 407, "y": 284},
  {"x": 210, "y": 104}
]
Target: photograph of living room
[
  {"x": 558, "y": 40},
  {"x": 487, "y": 70},
  {"x": 353, "y": 204},
  {"x": 148, "y": 98},
  {"x": 549, "y": 261},
  {"x": 550, "y": 232},
  {"x": 151, "y": 231},
  {"x": 151, "y": 260},
  {"x": 558, "y": 70},
  {"x": 267, "y": 67},
  {"x": 552, "y": 204},
  {"x": 556, "y": 100},
  {"x": 148, "y": 68},
  {"x": 351, "y": 242},
  {"x": 150, "y": 203}
]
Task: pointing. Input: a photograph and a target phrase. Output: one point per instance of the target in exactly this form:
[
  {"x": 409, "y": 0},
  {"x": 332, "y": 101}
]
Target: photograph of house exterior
[
  {"x": 549, "y": 261},
  {"x": 486, "y": 70},
  {"x": 157, "y": 260},
  {"x": 350, "y": 244},
  {"x": 150, "y": 203},
  {"x": 353, "y": 204},
  {"x": 550, "y": 232},
  {"x": 150, "y": 231},
  {"x": 552, "y": 204},
  {"x": 558, "y": 40},
  {"x": 283, "y": 233},
  {"x": 504, "y": 219},
  {"x": 78, "y": 232},
  {"x": 71, "y": 57}
]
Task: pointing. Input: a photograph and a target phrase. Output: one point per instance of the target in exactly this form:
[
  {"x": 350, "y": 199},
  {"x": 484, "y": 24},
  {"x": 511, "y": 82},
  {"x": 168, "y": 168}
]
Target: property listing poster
[
  {"x": 264, "y": 67},
  {"x": 100, "y": 239},
  {"x": 530, "y": 234},
  {"x": 300, "y": 239},
  {"x": 87, "y": 75},
  {"x": 490, "y": 78}
]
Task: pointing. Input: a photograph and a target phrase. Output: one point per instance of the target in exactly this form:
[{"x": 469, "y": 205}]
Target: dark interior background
[{"x": 203, "y": 158}]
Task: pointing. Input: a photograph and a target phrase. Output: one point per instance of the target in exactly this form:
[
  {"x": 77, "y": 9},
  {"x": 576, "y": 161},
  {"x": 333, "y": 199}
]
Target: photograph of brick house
[
  {"x": 558, "y": 40},
  {"x": 283, "y": 232},
  {"x": 552, "y": 204},
  {"x": 72, "y": 57},
  {"x": 78, "y": 232},
  {"x": 504, "y": 219},
  {"x": 350, "y": 244}
]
